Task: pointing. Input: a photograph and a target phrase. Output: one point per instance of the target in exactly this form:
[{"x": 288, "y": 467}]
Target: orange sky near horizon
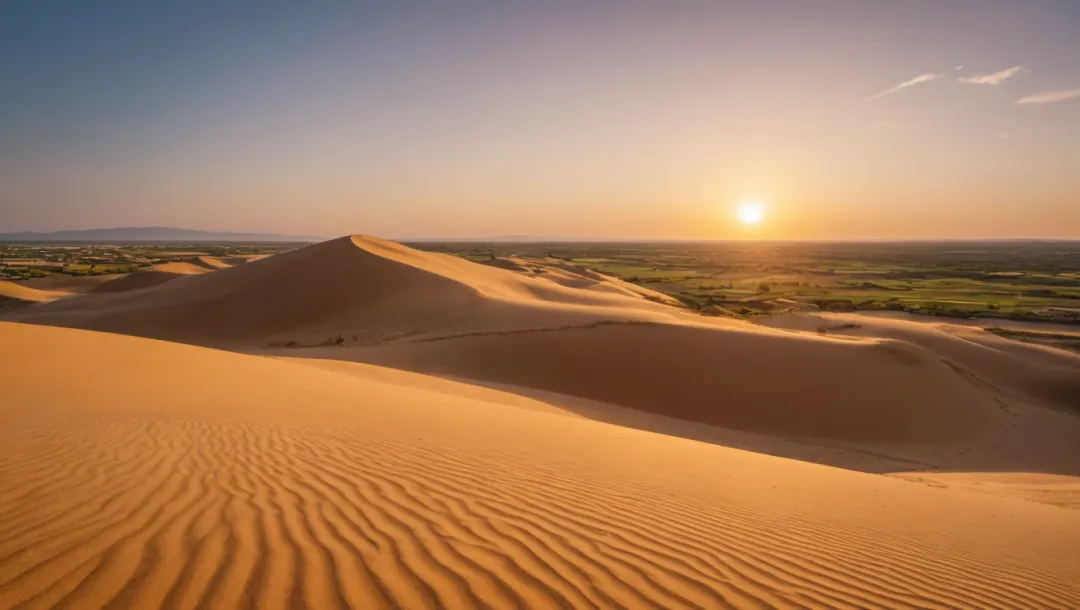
[{"x": 848, "y": 120}]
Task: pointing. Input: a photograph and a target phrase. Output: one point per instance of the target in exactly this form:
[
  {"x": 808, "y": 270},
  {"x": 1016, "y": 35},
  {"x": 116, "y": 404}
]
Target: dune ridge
[
  {"x": 227, "y": 480},
  {"x": 379, "y": 302},
  {"x": 48, "y": 289},
  {"x": 718, "y": 376},
  {"x": 73, "y": 285},
  {"x": 159, "y": 274},
  {"x": 370, "y": 288},
  {"x": 213, "y": 263},
  {"x": 1051, "y": 376},
  {"x": 16, "y": 293}
]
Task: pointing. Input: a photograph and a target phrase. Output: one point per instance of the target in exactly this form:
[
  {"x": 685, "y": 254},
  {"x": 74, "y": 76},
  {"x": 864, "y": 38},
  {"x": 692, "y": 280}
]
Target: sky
[{"x": 622, "y": 119}]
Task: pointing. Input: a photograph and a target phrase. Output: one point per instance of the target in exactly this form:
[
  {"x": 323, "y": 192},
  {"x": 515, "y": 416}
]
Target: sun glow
[{"x": 750, "y": 212}]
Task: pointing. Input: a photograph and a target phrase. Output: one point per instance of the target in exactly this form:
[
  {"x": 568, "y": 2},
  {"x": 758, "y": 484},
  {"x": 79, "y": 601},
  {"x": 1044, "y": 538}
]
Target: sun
[{"x": 750, "y": 212}]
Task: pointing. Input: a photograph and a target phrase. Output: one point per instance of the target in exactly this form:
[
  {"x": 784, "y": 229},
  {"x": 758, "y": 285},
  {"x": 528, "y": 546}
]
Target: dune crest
[
  {"x": 353, "y": 286},
  {"x": 15, "y": 293},
  {"x": 139, "y": 280},
  {"x": 369, "y": 300}
]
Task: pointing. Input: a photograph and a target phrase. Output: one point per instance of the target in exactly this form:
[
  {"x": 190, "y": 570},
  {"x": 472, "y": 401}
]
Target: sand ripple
[{"x": 125, "y": 512}]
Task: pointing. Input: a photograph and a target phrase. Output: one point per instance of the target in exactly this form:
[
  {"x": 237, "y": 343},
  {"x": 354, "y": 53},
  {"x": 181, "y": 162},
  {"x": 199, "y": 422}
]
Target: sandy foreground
[{"x": 480, "y": 438}]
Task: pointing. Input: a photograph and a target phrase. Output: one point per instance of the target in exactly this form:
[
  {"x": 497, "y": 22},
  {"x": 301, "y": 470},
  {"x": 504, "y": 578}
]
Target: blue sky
[{"x": 622, "y": 119}]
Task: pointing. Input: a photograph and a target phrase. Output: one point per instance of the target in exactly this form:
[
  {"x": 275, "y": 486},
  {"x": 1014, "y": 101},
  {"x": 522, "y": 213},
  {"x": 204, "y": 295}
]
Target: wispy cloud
[
  {"x": 992, "y": 79},
  {"x": 922, "y": 78},
  {"x": 1049, "y": 97}
]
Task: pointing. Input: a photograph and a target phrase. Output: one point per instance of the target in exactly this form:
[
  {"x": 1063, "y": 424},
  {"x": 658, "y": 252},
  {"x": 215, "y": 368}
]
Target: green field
[
  {"x": 1007, "y": 279},
  {"x": 27, "y": 261}
]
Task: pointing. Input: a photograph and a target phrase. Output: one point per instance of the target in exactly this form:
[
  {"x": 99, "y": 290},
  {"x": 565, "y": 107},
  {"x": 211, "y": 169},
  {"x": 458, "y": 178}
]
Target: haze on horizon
[{"x": 847, "y": 119}]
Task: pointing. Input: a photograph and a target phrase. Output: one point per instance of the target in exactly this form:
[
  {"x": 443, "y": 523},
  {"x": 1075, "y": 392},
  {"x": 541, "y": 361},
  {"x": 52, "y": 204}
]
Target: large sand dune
[
  {"x": 1024, "y": 368},
  {"x": 540, "y": 439},
  {"x": 860, "y": 391},
  {"x": 363, "y": 287},
  {"x": 178, "y": 476},
  {"x": 379, "y": 302}
]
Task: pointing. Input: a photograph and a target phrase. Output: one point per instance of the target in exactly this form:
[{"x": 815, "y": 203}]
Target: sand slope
[
  {"x": 213, "y": 262},
  {"x": 47, "y": 289},
  {"x": 574, "y": 276},
  {"x": 73, "y": 284},
  {"x": 379, "y": 302},
  {"x": 19, "y": 293},
  {"x": 159, "y": 274},
  {"x": 363, "y": 287},
  {"x": 1051, "y": 376},
  {"x": 205, "y": 478},
  {"x": 834, "y": 389}
]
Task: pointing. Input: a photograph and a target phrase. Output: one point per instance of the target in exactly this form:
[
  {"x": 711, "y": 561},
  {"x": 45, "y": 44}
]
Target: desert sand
[
  {"x": 360, "y": 424},
  {"x": 158, "y": 274},
  {"x": 66, "y": 283},
  {"x": 17, "y": 292},
  {"x": 45, "y": 289}
]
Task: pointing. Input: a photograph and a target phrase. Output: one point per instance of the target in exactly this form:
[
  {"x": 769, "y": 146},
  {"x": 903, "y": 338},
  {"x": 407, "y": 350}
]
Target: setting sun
[
  {"x": 750, "y": 212},
  {"x": 575, "y": 304}
]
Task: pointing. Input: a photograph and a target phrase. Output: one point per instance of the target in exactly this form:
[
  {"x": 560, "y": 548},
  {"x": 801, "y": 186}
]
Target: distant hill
[{"x": 149, "y": 234}]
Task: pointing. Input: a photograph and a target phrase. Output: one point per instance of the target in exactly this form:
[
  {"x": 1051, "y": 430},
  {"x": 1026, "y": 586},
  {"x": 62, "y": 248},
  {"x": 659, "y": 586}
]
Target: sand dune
[
  {"x": 159, "y": 274},
  {"x": 135, "y": 281},
  {"x": 1051, "y": 376},
  {"x": 47, "y": 289},
  {"x": 19, "y": 293},
  {"x": 183, "y": 476},
  {"x": 835, "y": 389},
  {"x": 1055, "y": 490},
  {"x": 54, "y": 287},
  {"x": 213, "y": 262},
  {"x": 351, "y": 287},
  {"x": 16, "y": 296},
  {"x": 1016, "y": 438},
  {"x": 195, "y": 477},
  {"x": 179, "y": 268},
  {"x": 573, "y": 276},
  {"x": 72, "y": 284},
  {"x": 379, "y": 302},
  {"x": 896, "y": 402}
]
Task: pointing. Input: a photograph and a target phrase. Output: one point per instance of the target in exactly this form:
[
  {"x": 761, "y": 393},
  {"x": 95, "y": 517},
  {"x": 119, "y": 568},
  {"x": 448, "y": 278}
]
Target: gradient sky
[{"x": 856, "y": 119}]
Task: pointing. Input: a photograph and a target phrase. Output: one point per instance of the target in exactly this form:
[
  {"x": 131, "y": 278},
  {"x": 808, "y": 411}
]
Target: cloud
[
  {"x": 960, "y": 67},
  {"x": 922, "y": 78},
  {"x": 1049, "y": 97},
  {"x": 992, "y": 79}
]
